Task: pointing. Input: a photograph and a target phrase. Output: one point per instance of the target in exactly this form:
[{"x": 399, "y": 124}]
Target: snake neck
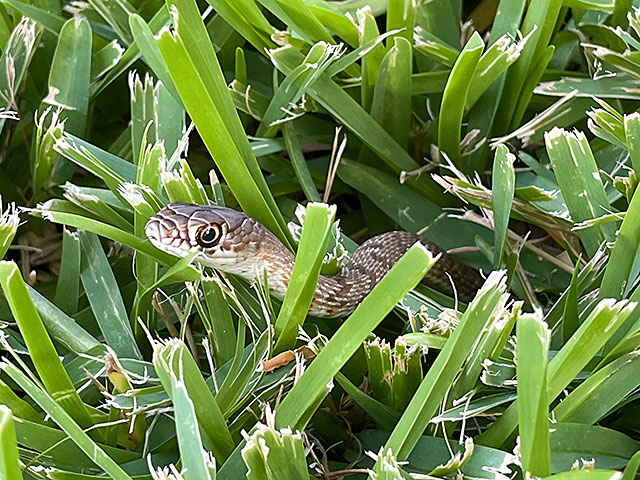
[{"x": 339, "y": 295}]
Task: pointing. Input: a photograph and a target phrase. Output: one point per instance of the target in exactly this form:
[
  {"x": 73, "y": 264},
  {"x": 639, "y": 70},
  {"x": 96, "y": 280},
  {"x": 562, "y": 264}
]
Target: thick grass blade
[
  {"x": 391, "y": 105},
  {"x": 618, "y": 271},
  {"x": 175, "y": 365},
  {"x": 593, "y": 333},
  {"x": 454, "y": 98},
  {"x": 533, "y": 407},
  {"x": 503, "y": 187},
  {"x": 9, "y": 222},
  {"x": 105, "y": 298},
  {"x": 401, "y": 278},
  {"x": 66, "y": 423},
  {"x": 9, "y": 464},
  {"x": 436, "y": 382},
  {"x": 302, "y": 285},
  {"x": 43, "y": 354},
  {"x": 195, "y": 70},
  {"x": 598, "y": 395},
  {"x": 577, "y": 175},
  {"x": 194, "y": 458}
]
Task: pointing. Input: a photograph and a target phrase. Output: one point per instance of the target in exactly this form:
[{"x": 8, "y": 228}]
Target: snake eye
[{"x": 208, "y": 236}]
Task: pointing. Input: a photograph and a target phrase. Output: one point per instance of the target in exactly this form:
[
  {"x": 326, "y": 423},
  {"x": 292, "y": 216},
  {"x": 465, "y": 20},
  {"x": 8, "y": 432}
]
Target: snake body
[{"x": 233, "y": 242}]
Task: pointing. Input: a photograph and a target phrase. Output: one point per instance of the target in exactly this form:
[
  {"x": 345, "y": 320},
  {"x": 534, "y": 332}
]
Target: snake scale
[{"x": 233, "y": 242}]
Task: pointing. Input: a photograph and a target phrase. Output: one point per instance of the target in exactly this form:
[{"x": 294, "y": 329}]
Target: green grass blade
[
  {"x": 298, "y": 162},
  {"x": 503, "y": 187},
  {"x": 195, "y": 70},
  {"x": 533, "y": 407},
  {"x": 66, "y": 423},
  {"x": 43, "y": 353},
  {"x": 391, "y": 105},
  {"x": 455, "y": 96},
  {"x": 9, "y": 464},
  {"x": 174, "y": 364},
  {"x": 577, "y": 174},
  {"x": 401, "y": 278},
  {"x": 302, "y": 285},
  {"x": 436, "y": 382},
  {"x": 105, "y": 298},
  {"x": 593, "y": 333},
  {"x": 9, "y": 222},
  {"x": 618, "y": 271}
]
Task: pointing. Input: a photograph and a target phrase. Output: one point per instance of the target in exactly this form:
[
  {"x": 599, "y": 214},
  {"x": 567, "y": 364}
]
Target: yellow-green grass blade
[
  {"x": 401, "y": 278},
  {"x": 454, "y": 98},
  {"x": 401, "y": 15},
  {"x": 300, "y": 19},
  {"x": 69, "y": 79},
  {"x": 66, "y": 422},
  {"x": 532, "y": 353},
  {"x": 618, "y": 271},
  {"x": 9, "y": 463},
  {"x": 586, "y": 475},
  {"x": 105, "y": 298},
  {"x": 193, "y": 456},
  {"x": 503, "y": 187},
  {"x": 195, "y": 70},
  {"x": 248, "y": 20},
  {"x": 174, "y": 364},
  {"x": 440, "y": 376},
  {"x": 151, "y": 53},
  {"x": 578, "y": 178},
  {"x": 43, "y": 353},
  {"x": 631, "y": 470},
  {"x": 313, "y": 244},
  {"x": 20, "y": 407},
  {"x": 632, "y": 135},
  {"x": 275, "y": 454},
  {"x": 391, "y": 105},
  {"x": 593, "y": 333},
  {"x": 601, "y": 391}
]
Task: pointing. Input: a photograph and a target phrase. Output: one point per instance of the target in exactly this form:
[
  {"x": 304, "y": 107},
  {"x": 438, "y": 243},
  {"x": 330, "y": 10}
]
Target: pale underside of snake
[{"x": 232, "y": 242}]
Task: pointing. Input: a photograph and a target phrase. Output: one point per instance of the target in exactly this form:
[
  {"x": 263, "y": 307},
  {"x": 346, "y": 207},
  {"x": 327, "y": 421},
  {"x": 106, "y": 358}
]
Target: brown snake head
[{"x": 225, "y": 239}]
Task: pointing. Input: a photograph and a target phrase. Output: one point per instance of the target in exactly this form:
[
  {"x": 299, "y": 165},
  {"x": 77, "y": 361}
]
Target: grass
[{"x": 506, "y": 132}]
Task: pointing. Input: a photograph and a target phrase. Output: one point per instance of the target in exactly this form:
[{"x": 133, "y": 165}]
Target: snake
[{"x": 232, "y": 242}]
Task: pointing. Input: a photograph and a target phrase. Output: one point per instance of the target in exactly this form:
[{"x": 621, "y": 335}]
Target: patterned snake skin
[{"x": 232, "y": 242}]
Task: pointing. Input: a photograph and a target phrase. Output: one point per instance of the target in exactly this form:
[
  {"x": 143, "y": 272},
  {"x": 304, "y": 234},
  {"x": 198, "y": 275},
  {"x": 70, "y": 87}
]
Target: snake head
[{"x": 220, "y": 234}]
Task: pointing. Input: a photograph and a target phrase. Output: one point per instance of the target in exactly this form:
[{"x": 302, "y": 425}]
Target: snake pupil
[{"x": 208, "y": 236}]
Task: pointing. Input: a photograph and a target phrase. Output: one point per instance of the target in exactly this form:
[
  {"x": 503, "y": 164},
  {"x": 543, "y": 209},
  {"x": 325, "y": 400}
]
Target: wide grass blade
[
  {"x": 9, "y": 463},
  {"x": 577, "y": 174},
  {"x": 454, "y": 98},
  {"x": 396, "y": 283},
  {"x": 43, "y": 353},
  {"x": 533, "y": 407},
  {"x": 302, "y": 285},
  {"x": 195, "y": 70},
  {"x": 487, "y": 303},
  {"x": 105, "y": 298},
  {"x": 66, "y": 423}
]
